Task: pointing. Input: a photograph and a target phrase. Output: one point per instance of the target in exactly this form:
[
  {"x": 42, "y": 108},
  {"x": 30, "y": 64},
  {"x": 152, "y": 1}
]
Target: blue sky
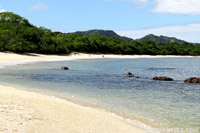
[{"x": 132, "y": 18}]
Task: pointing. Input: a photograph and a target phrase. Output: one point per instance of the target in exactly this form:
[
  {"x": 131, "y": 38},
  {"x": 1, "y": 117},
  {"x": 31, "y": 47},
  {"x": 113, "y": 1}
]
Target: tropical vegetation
[{"x": 19, "y": 36}]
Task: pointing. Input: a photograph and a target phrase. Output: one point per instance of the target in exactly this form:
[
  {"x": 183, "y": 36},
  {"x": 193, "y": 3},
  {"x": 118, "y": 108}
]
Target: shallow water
[{"x": 101, "y": 83}]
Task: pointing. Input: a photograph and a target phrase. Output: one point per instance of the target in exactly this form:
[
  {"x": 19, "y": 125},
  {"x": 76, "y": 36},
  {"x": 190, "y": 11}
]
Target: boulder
[
  {"x": 64, "y": 68},
  {"x": 129, "y": 74},
  {"x": 163, "y": 78},
  {"x": 192, "y": 80}
]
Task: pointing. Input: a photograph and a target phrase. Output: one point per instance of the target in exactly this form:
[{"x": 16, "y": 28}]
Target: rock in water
[
  {"x": 163, "y": 78},
  {"x": 192, "y": 80},
  {"x": 129, "y": 74},
  {"x": 64, "y": 68}
]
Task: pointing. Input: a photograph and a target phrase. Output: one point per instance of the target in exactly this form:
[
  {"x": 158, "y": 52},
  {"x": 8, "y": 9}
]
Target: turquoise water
[{"x": 100, "y": 83}]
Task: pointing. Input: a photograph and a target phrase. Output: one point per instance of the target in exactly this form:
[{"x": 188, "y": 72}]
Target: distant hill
[
  {"x": 160, "y": 39},
  {"x": 104, "y": 33},
  {"x": 150, "y": 37}
]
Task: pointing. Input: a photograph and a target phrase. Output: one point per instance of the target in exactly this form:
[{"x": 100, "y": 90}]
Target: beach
[
  {"x": 12, "y": 57},
  {"x": 23, "y": 111},
  {"x": 29, "y": 112},
  {"x": 26, "y": 110}
]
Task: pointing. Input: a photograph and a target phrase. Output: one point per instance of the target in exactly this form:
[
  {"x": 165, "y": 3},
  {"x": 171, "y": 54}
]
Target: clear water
[{"x": 101, "y": 83}]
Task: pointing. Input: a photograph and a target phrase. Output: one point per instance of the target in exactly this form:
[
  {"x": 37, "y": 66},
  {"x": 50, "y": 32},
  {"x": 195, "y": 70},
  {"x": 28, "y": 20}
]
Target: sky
[{"x": 131, "y": 18}]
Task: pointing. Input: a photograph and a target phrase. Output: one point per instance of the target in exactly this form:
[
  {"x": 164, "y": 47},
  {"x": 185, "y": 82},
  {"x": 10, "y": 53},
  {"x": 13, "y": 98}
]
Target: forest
[{"x": 19, "y": 36}]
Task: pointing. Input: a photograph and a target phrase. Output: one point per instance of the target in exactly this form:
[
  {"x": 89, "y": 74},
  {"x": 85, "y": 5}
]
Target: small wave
[
  {"x": 6, "y": 64},
  {"x": 135, "y": 123},
  {"x": 161, "y": 68},
  {"x": 67, "y": 59},
  {"x": 105, "y": 75}
]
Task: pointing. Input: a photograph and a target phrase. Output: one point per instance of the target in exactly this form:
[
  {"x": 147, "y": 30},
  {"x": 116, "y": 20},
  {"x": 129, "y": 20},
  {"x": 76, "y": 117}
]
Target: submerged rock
[
  {"x": 163, "y": 78},
  {"x": 192, "y": 80},
  {"x": 129, "y": 74},
  {"x": 64, "y": 68}
]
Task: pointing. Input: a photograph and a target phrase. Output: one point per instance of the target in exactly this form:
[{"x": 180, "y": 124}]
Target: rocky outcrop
[
  {"x": 129, "y": 74},
  {"x": 64, "y": 68},
  {"x": 192, "y": 80},
  {"x": 163, "y": 78}
]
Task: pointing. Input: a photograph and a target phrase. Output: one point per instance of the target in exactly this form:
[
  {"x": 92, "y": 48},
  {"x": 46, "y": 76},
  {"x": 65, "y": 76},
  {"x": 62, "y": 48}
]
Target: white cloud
[
  {"x": 38, "y": 6},
  {"x": 190, "y": 7},
  {"x": 2, "y": 10},
  {"x": 189, "y": 32}
]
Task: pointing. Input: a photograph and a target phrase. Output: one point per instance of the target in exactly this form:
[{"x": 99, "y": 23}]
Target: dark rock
[
  {"x": 137, "y": 77},
  {"x": 192, "y": 80},
  {"x": 129, "y": 74},
  {"x": 64, "y": 68},
  {"x": 163, "y": 78}
]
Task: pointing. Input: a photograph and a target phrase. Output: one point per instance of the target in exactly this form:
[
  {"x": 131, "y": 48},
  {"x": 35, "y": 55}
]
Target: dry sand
[
  {"x": 11, "y": 57},
  {"x": 28, "y": 112}
]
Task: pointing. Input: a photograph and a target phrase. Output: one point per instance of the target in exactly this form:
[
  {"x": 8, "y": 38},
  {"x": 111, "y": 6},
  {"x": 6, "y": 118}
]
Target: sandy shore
[
  {"x": 11, "y": 57},
  {"x": 29, "y": 112}
]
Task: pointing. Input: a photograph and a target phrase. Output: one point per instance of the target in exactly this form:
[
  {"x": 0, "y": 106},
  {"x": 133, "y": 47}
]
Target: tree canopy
[{"x": 18, "y": 35}]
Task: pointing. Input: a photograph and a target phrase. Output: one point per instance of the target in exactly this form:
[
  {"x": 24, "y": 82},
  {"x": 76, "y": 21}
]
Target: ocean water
[{"x": 101, "y": 83}]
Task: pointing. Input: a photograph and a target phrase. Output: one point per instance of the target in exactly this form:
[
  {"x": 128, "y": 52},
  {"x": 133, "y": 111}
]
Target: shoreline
[
  {"x": 13, "y": 57},
  {"x": 7, "y": 59},
  {"x": 23, "y": 111},
  {"x": 26, "y": 111}
]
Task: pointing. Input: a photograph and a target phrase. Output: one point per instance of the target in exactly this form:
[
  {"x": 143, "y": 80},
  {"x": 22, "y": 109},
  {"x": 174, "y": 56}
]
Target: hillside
[
  {"x": 150, "y": 37},
  {"x": 104, "y": 33},
  {"x": 19, "y": 36},
  {"x": 161, "y": 39}
]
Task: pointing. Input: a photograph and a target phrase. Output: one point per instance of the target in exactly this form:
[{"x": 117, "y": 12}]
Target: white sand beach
[
  {"x": 12, "y": 57},
  {"x": 28, "y": 112}
]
